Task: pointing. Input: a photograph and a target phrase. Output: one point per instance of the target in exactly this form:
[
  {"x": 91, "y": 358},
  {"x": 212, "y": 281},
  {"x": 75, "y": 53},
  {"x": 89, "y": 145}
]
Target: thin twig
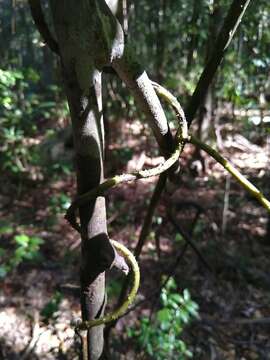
[
  {"x": 226, "y": 205},
  {"x": 189, "y": 242}
]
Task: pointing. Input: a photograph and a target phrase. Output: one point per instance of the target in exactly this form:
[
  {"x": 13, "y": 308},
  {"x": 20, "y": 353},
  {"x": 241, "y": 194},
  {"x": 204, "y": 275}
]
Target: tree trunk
[
  {"x": 225, "y": 35},
  {"x": 205, "y": 115},
  {"x": 194, "y": 33},
  {"x": 89, "y": 39},
  {"x": 206, "y": 110},
  {"x": 160, "y": 39},
  {"x": 74, "y": 26}
]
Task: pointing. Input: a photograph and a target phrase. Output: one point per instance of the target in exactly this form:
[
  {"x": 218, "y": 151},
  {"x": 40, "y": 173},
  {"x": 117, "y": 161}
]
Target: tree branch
[
  {"x": 39, "y": 20},
  {"x": 227, "y": 31},
  {"x": 224, "y": 38},
  {"x": 142, "y": 89}
]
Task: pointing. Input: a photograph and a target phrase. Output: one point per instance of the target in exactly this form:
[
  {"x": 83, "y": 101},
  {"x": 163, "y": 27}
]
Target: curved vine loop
[
  {"x": 180, "y": 139},
  {"x": 129, "y": 257}
]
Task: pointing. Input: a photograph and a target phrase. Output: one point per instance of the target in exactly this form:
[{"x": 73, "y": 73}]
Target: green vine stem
[
  {"x": 181, "y": 138},
  {"x": 233, "y": 171},
  {"x": 117, "y": 180},
  {"x": 246, "y": 184},
  {"x": 129, "y": 257},
  {"x": 172, "y": 100}
]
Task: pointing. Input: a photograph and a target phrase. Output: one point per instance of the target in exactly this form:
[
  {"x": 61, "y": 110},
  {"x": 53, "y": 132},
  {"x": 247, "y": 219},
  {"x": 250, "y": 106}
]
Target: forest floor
[{"x": 227, "y": 275}]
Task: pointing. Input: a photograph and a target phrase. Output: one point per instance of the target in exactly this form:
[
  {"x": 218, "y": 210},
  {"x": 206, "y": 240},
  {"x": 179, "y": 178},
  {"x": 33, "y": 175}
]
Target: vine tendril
[
  {"x": 181, "y": 138},
  {"x": 129, "y": 257}
]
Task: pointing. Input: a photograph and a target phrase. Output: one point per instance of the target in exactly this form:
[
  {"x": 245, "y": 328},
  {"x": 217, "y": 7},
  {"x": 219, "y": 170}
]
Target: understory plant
[
  {"x": 160, "y": 337},
  {"x": 23, "y": 110},
  {"x": 27, "y": 248}
]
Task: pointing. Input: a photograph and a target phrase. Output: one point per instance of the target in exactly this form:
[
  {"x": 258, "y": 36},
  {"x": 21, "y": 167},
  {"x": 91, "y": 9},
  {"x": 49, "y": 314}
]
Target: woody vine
[
  {"x": 181, "y": 138},
  {"x": 89, "y": 39}
]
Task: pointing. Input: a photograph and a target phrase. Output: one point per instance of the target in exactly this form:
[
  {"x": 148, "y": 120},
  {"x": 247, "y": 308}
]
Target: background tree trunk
[{"x": 194, "y": 33}]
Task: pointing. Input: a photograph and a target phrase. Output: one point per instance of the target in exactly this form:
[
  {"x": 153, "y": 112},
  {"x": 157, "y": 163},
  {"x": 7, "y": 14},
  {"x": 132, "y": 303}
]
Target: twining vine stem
[
  {"x": 180, "y": 140},
  {"x": 129, "y": 257},
  {"x": 245, "y": 183}
]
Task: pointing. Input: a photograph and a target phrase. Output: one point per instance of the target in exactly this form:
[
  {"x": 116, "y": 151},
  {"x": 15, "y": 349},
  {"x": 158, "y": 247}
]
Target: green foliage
[
  {"x": 52, "y": 307},
  {"x": 26, "y": 249},
  {"x": 113, "y": 288},
  {"x": 59, "y": 203},
  {"x": 160, "y": 338},
  {"x": 5, "y": 229},
  {"x": 22, "y": 109},
  {"x": 12, "y": 107},
  {"x": 62, "y": 167},
  {"x": 200, "y": 227},
  {"x": 178, "y": 238},
  {"x": 122, "y": 155}
]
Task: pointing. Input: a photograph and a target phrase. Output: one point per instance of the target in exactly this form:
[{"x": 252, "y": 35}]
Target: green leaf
[
  {"x": 178, "y": 238},
  {"x": 22, "y": 239},
  {"x": 184, "y": 316},
  {"x": 3, "y": 271},
  {"x": 186, "y": 295},
  {"x": 20, "y": 253},
  {"x": 2, "y": 252},
  {"x": 176, "y": 298},
  {"x": 36, "y": 241},
  {"x": 164, "y": 315}
]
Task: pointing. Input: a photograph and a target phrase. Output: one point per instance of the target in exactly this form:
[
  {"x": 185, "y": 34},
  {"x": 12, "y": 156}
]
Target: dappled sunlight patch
[{"x": 34, "y": 336}]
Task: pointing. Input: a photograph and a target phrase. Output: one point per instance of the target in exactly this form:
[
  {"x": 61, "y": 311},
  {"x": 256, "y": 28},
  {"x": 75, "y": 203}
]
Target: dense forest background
[{"x": 208, "y": 249}]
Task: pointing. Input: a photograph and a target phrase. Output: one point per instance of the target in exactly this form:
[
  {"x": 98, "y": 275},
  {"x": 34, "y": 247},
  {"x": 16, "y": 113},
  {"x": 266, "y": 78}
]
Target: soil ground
[{"x": 229, "y": 279}]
